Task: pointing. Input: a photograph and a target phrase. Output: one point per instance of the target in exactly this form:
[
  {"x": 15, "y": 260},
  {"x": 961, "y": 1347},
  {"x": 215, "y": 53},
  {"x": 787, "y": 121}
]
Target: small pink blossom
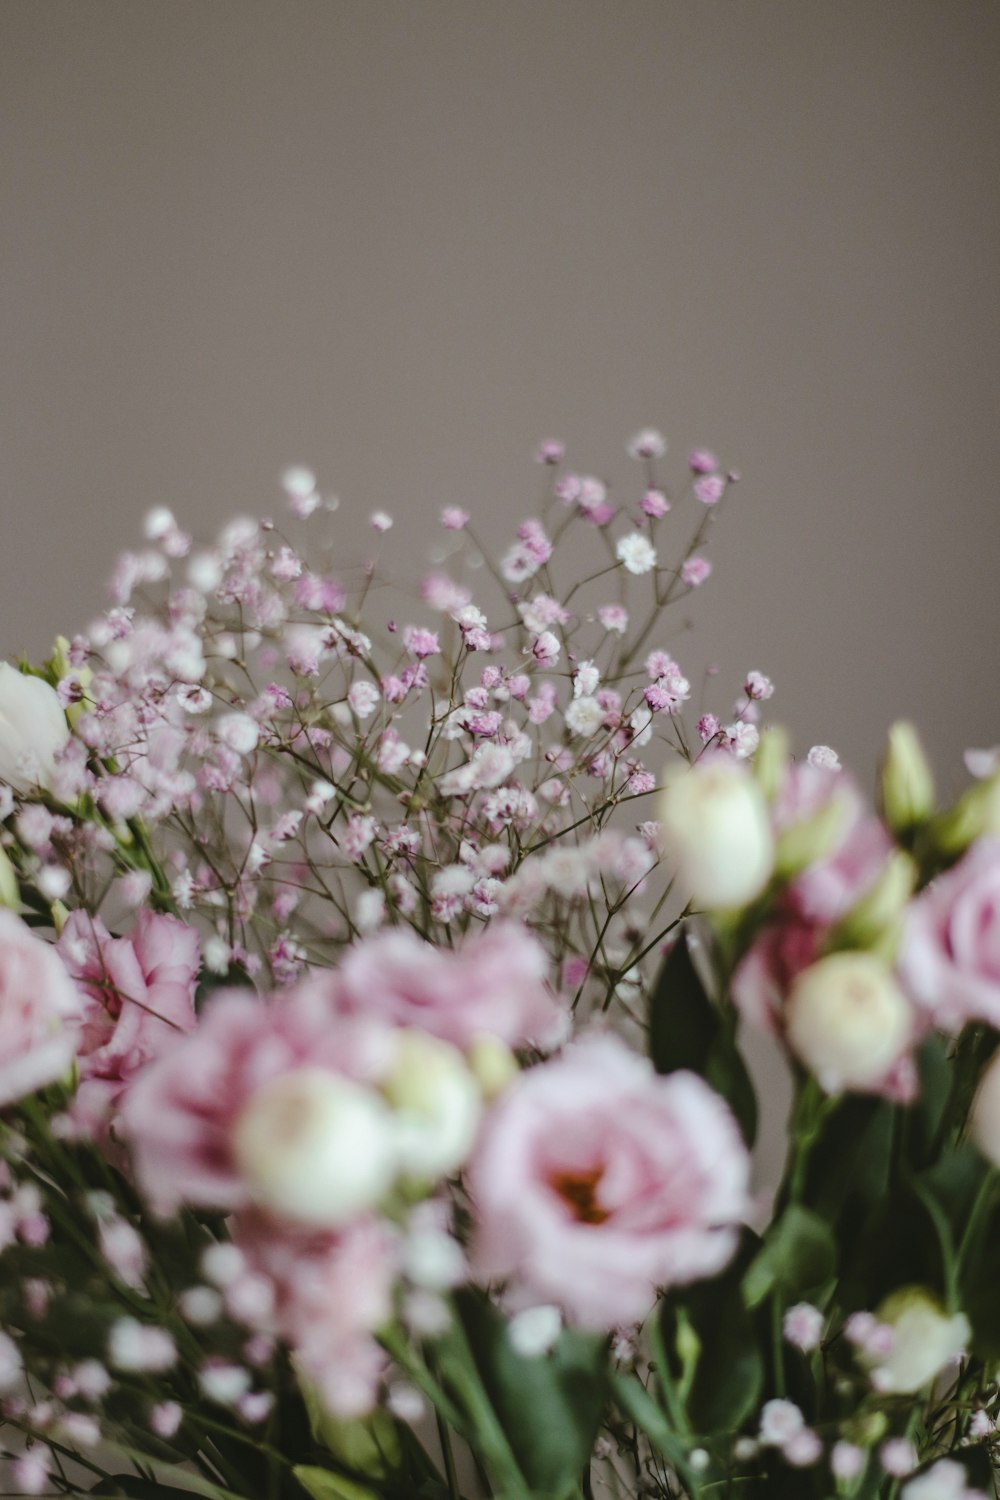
[
  {"x": 380, "y": 520},
  {"x": 613, "y": 617},
  {"x": 655, "y": 504},
  {"x": 710, "y": 489},
  {"x": 551, "y": 451},
  {"x": 596, "y": 1181},
  {"x": 647, "y": 444},
  {"x": 454, "y": 518},
  {"x": 695, "y": 570},
  {"x": 701, "y": 461},
  {"x": 802, "y": 1326}
]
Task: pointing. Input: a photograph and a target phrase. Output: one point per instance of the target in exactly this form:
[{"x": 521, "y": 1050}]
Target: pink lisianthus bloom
[
  {"x": 180, "y": 1113},
  {"x": 493, "y": 985},
  {"x": 138, "y": 998},
  {"x": 597, "y": 1181},
  {"x": 949, "y": 957},
  {"x": 40, "y": 1011},
  {"x": 779, "y": 953},
  {"x": 332, "y": 1291}
]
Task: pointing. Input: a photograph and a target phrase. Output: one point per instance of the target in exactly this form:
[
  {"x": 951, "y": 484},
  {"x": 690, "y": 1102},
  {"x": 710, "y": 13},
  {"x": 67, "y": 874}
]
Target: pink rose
[
  {"x": 493, "y": 985},
  {"x": 39, "y": 1012},
  {"x": 597, "y": 1181},
  {"x": 949, "y": 958},
  {"x": 139, "y": 997},
  {"x": 180, "y": 1113}
]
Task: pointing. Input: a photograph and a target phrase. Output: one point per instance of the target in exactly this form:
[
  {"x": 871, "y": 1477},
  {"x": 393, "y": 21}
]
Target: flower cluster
[{"x": 375, "y": 959}]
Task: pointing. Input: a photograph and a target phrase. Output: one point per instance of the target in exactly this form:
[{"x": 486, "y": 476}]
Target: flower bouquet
[{"x": 376, "y": 964}]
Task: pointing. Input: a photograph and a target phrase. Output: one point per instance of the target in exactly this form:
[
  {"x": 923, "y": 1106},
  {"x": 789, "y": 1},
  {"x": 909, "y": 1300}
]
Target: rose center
[{"x": 579, "y": 1190}]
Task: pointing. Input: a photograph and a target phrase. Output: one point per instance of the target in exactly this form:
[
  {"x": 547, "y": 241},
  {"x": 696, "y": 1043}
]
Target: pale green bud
[
  {"x": 437, "y": 1103},
  {"x": 10, "y": 894},
  {"x": 717, "y": 833},
  {"x": 493, "y": 1065},
  {"x": 847, "y": 1020},
  {"x": 906, "y": 783},
  {"x": 975, "y": 814},
  {"x": 770, "y": 761},
  {"x": 874, "y": 923},
  {"x": 805, "y": 843}
]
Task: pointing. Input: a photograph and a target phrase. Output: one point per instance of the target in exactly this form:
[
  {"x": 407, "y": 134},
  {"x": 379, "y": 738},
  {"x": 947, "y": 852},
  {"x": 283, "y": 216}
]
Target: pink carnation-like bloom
[
  {"x": 949, "y": 958},
  {"x": 39, "y": 1012},
  {"x": 493, "y": 985},
  {"x": 139, "y": 997},
  {"x": 180, "y": 1112},
  {"x": 596, "y": 1181},
  {"x": 331, "y": 1291}
]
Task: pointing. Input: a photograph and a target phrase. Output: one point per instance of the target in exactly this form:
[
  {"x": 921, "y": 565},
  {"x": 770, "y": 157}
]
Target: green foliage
[
  {"x": 550, "y": 1406},
  {"x": 798, "y": 1258},
  {"x": 687, "y": 1030}
]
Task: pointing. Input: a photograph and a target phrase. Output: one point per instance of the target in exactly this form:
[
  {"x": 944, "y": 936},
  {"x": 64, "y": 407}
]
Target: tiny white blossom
[{"x": 636, "y": 552}]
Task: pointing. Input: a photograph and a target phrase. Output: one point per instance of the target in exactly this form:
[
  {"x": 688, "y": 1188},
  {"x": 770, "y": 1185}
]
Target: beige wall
[{"x": 403, "y": 241}]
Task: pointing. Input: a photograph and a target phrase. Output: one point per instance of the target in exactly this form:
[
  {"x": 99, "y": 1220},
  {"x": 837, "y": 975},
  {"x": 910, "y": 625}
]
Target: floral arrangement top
[{"x": 374, "y": 966}]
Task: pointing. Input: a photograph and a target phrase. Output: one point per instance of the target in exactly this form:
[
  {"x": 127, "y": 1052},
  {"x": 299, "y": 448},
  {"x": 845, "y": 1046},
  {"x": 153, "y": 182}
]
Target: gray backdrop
[{"x": 404, "y": 241}]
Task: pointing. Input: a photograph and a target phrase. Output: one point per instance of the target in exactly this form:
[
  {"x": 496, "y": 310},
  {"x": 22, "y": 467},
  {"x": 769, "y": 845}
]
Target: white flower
[
  {"x": 239, "y": 732},
  {"x": 646, "y": 444},
  {"x": 924, "y": 1340},
  {"x": 946, "y": 1480},
  {"x": 584, "y": 716},
  {"x": 534, "y": 1331},
  {"x": 716, "y": 832},
  {"x": 636, "y": 552},
  {"x": 33, "y": 729},
  {"x": 315, "y": 1146},
  {"x": 848, "y": 1020}
]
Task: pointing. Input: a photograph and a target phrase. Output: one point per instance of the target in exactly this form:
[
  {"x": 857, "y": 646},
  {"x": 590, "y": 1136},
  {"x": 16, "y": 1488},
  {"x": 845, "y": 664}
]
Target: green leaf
[
  {"x": 550, "y": 1407},
  {"x": 927, "y": 1114},
  {"x": 367, "y": 1445},
  {"x": 323, "y": 1485},
  {"x": 798, "y": 1256},
  {"x": 729, "y": 1369},
  {"x": 686, "y": 1030}
]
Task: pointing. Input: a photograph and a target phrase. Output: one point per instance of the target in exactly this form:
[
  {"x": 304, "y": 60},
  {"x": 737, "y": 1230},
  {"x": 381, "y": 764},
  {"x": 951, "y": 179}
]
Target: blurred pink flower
[
  {"x": 831, "y": 885},
  {"x": 39, "y": 1012},
  {"x": 493, "y": 985},
  {"x": 332, "y": 1290},
  {"x": 180, "y": 1113},
  {"x": 949, "y": 959},
  {"x": 597, "y": 1181},
  {"x": 138, "y": 998}
]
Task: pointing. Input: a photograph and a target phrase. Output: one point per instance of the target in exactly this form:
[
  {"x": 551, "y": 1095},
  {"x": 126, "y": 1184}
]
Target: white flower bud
[
  {"x": 315, "y": 1146},
  {"x": 984, "y": 1123},
  {"x": 848, "y": 1020},
  {"x": 437, "y": 1102},
  {"x": 33, "y": 729},
  {"x": 924, "y": 1340},
  {"x": 716, "y": 832}
]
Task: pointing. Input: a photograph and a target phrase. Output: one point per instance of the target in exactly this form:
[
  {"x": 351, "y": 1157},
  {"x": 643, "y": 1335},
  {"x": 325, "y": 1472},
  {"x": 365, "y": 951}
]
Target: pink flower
[
  {"x": 949, "y": 959},
  {"x": 493, "y": 985},
  {"x": 830, "y": 886},
  {"x": 332, "y": 1290},
  {"x": 596, "y": 1181},
  {"x": 180, "y": 1114},
  {"x": 139, "y": 997},
  {"x": 39, "y": 1012}
]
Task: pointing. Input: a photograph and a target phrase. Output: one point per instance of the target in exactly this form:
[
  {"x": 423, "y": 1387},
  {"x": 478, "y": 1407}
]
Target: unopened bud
[
  {"x": 906, "y": 783},
  {"x": 848, "y": 1020}
]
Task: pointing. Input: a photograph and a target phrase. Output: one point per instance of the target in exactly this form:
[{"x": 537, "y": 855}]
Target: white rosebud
[
  {"x": 315, "y": 1146},
  {"x": 33, "y": 729},
  {"x": 437, "y": 1101},
  {"x": 717, "y": 833},
  {"x": 984, "y": 1123},
  {"x": 924, "y": 1340},
  {"x": 848, "y": 1020}
]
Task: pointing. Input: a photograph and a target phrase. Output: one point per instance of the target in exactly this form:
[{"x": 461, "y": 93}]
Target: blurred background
[{"x": 401, "y": 242}]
